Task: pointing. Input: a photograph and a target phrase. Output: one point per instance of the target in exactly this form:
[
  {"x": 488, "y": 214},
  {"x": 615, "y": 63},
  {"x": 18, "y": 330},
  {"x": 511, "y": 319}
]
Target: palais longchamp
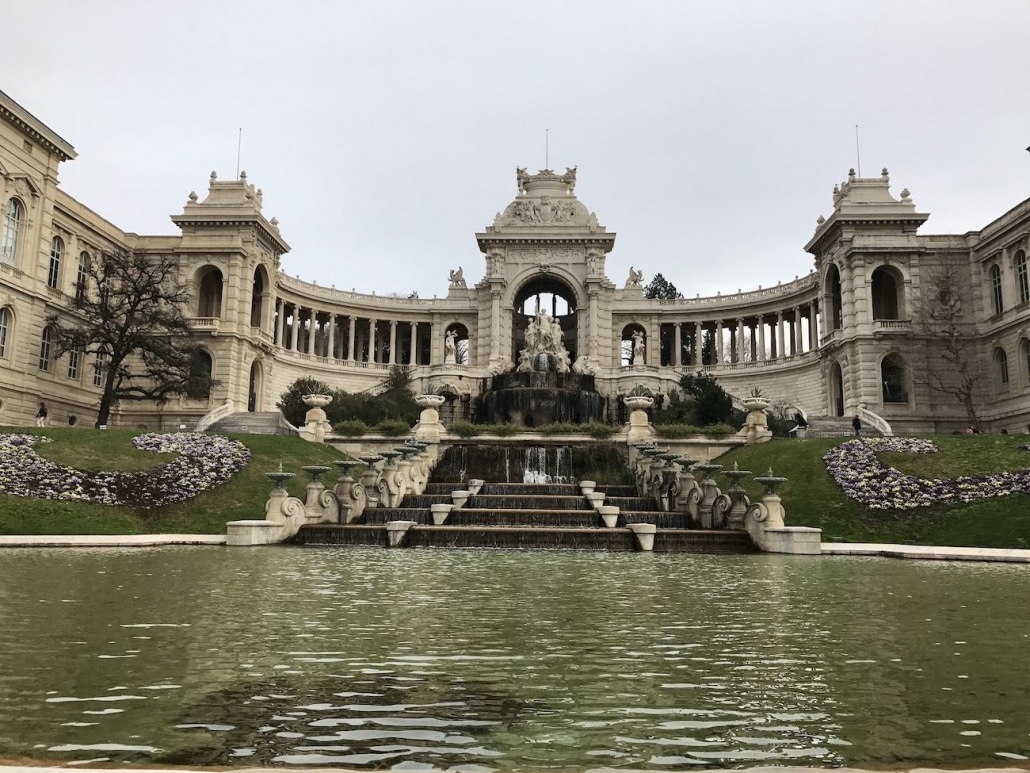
[{"x": 915, "y": 333}]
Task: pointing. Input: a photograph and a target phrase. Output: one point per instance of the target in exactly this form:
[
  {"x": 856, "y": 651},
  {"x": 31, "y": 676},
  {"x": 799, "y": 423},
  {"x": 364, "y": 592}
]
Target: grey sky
[{"x": 384, "y": 135}]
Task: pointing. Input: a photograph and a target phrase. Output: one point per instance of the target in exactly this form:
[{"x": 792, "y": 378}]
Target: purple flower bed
[
  {"x": 854, "y": 467},
  {"x": 204, "y": 461}
]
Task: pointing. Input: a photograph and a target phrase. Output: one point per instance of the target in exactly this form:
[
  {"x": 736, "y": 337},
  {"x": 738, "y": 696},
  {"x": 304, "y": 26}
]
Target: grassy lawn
[
  {"x": 811, "y": 498},
  {"x": 809, "y": 495},
  {"x": 243, "y": 496}
]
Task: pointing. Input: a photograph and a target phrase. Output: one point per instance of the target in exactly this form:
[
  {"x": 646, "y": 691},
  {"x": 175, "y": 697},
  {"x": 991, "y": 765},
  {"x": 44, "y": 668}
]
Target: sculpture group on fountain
[{"x": 544, "y": 348}]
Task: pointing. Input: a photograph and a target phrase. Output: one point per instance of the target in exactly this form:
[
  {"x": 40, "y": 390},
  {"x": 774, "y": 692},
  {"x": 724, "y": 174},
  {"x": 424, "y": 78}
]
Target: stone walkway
[
  {"x": 106, "y": 540},
  {"x": 925, "y": 552}
]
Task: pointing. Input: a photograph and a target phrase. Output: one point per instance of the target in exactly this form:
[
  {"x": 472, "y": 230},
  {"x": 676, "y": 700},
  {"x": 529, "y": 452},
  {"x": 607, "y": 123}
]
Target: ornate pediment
[{"x": 544, "y": 200}]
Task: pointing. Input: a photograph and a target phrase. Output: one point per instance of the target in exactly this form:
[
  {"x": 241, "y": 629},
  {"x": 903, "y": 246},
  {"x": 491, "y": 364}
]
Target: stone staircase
[
  {"x": 528, "y": 516},
  {"x": 253, "y": 423}
]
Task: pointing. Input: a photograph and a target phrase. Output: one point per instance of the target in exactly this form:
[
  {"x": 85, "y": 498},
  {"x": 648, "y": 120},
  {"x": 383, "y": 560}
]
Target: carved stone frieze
[
  {"x": 546, "y": 210},
  {"x": 545, "y": 254}
]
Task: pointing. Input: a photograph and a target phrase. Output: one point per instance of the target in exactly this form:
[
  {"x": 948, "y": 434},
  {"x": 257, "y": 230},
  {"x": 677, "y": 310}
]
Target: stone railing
[{"x": 802, "y": 284}]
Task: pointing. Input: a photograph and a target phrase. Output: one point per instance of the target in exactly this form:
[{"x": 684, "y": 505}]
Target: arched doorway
[
  {"x": 550, "y": 294},
  {"x": 836, "y": 390},
  {"x": 209, "y": 292},
  {"x": 254, "y": 390},
  {"x": 887, "y": 301},
  {"x": 260, "y": 297}
]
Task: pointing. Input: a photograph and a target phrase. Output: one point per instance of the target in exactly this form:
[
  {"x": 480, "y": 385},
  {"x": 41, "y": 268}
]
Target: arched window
[
  {"x": 996, "y": 289},
  {"x": 1022, "y": 280},
  {"x": 257, "y": 298},
  {"x": 1001, "y": 364},
  {"x": 892, "y": 377},
  {"x": 209, "y": 299},
  {"x": 99, "y": 366},
  {"x": 5, "y": 323},
  {"x": 200, "y": 375},
  {"x": 56, "y": 251},
  {"x": 82, "y": 276},
  {"x": 74, "y": 357},
  {"x": 836, "y": 300},
  {"x": 45, "y": 348},
  {"x": 1024, "y": 356},
  {"x": 886, "y": 304},
  {"x": 13, "y": 213}
]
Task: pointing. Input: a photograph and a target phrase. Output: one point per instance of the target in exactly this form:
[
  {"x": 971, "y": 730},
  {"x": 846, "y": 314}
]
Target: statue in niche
[
  {"x": 635, "y": 278},
  {"x": 544, "y": 348},
  {"x": 457, "y": 278},
  {"x": 450, "y": 348},
  {"x": 638, "y": 347}
]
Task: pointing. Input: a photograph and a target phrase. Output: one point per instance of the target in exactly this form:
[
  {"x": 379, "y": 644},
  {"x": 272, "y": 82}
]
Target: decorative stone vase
[
  {"x": 610, "y": 515},
  {"x": 639, "y": 427},
  {"x": 596, "y": 498},
  {"x": 440, "y": 513},
  {"x": 429, "y": 426},
  {"x": 315, "y": 423},
  {"x": 756, "y": 428},
  {"x": 587, "y": 487}
]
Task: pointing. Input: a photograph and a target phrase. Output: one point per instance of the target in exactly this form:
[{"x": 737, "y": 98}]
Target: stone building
[{"x": 906, "y": 329}]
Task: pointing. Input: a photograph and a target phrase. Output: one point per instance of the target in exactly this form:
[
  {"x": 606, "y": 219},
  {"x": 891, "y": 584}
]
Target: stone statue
[
  {"x": 544, "y": 345},
  {"x": 569, "y": 178},
  {"x": 635, "y": 278},
  {"x": 457, "y": 278},
  {"x": 521, "y": 177},
  {"x": 450, "y": 348},
  {"x": 638, "y": 347}
]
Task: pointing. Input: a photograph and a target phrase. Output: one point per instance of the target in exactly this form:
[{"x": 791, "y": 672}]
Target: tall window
[
  {"x": 12, "y": 225},
  {"x": 82, "y": 277},
  {"x": 200, "y": 375},
  {"x": 892, "y": 376},
  {"x": 45, "y": 346},
  {"x": 56, "y": 251},
  {"x": 1002, "y": 361},
  {"x": 98, "y": 370},
  {"x": 1021, "y": 277},
  {"x": 5, "y": 321},
  {"x": 1024, "y": 351},
  {"x": 74, "y": 356},
  {"x": 996, "y": 289}
]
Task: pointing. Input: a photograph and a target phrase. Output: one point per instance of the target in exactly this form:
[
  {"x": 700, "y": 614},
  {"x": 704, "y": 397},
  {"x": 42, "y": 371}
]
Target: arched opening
[
  {"x": 996, "y": 296},
  {"x": 833, "y": 294},
  {"x": 1001, "y": 368},
  {"x": 82, "y": 276},
  {"x": 633, "y": 346},
  {"x": 254, "y": 390},
  {"x": 46, "y": 341},
  {"x": 894, "y": 379},
  {"x": 5, "y": 328},
  {"x": 259, "y": 297},
  {"x": 550, "y": 295},
  {"x": 53, "y": 278},
  {"x": 886, "y": 292},
  {"x": 836, "y": 390},
  {"x": 1022, "y": 277},
  {"x": 199, "y": 387},
  {"x": 456, "y": 344},
  {"x": 13, "y": 214},
  {"x": 209, "y": 293}
]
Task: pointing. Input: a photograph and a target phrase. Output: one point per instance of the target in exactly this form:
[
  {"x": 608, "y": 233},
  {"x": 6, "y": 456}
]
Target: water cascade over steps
[{"x": 529, "y": 499}]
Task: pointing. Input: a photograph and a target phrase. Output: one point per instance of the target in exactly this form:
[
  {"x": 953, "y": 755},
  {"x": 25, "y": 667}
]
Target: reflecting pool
[{"x": 498, "y": 659}]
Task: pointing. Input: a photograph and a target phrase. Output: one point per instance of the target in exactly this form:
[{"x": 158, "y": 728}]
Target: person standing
[
  {"x": 41, "y": 415},
  {"x": 856, "y": 424}
]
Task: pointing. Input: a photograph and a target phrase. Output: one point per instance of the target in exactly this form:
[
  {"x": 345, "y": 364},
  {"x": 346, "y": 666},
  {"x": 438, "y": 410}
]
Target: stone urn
[
  {"x": 756, "y": 426},
  {"x": 639, "y": 427},
  {"x": 429, "y": 426},
  {"x": 315, "y": 424}
]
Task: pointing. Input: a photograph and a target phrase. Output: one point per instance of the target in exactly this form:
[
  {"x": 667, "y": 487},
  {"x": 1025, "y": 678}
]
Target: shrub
[
  {"x": 464, "y": 429},
  {"x": 393, "y": 427},
  {"x": 559, "y": 428},
  {"x": 711, "y": 404},
  {"x": 501, "y": 430},
  {"x": 683, "y": 430},
  {"x": 350, "y": 428},
  {"x": 291, "y": 402},
  {"x": 600, "y": 431}
]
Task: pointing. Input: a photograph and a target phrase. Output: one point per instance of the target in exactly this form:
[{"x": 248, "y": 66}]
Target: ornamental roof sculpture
[{"x": 544, "y": 200}]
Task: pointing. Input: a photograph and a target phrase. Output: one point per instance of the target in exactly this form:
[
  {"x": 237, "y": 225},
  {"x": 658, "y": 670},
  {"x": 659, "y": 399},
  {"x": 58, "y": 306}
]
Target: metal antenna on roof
[
  {"x": 858, "y": 152},
  {"x": 547, "y": 148},
  {"x": 239, "y": 147}
]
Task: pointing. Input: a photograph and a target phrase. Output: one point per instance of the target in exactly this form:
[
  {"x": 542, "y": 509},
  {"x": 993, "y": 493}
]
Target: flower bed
[
  {"x": 203, "y": 461},
  {"x": 855, "y": 468}
]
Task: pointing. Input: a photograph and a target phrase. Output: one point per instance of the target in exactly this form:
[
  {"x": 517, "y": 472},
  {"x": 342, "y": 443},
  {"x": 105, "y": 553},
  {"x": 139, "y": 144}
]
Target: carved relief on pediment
[
  {"x": 545, "y": 255},
  {"x": 545, "y": 211}
]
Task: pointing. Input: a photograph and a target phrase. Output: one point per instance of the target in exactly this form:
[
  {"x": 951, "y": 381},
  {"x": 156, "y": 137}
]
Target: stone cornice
[
  {"x": 234, "y": 221},
  {"x": 32, "y": 127}
]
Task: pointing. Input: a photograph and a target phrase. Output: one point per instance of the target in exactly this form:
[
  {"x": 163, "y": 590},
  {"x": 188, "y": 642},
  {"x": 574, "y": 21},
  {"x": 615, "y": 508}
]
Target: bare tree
[
  {"x": 949, "y": 349},
  {"x": 130, "y": 317}
]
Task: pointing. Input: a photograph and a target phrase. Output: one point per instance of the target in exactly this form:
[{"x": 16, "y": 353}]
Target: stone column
[
  {"x": 413, "y": 350},
  {"x": 718, "y": 344},
  {"x": 813, "y": 327},
  {"x": 779, "y": 335},
  {"x": 761, "y": 339},
  {"x": 392, "y": 359},
  {"x": 740, "y": 341},
  {"x": 294, "y": 327},
  {"x": 280, "y": 312},
  {"x": 371, "y": 340},
  {"x": 677, "y": 345},
  {"x": 311, "y": 332},
  {"x": 592, "y": 337},
  {"x": 754, "y": 347},
  {"x": 495, "y": 322},
  {"x": 350, "y": 340},
  {"x": 330, "y": 349},
  {"x": 798, "y": 340},
  {"x": 699, "y": 341}
]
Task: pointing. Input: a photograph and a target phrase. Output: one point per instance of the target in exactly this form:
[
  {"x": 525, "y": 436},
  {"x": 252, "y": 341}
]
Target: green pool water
[{"x": 506, "y": 659}]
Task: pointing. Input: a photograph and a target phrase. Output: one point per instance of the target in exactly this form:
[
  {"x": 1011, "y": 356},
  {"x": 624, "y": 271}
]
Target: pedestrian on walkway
[
  {"x": 41, "y": 415},
  {"x": 856, "y": 424}
]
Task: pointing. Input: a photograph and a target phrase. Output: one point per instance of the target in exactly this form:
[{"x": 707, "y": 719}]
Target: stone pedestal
[{"x": 640, "y": 429}]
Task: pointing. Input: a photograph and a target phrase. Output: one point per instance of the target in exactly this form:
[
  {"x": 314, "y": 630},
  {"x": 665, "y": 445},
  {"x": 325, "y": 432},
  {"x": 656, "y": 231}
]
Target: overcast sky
[{"x": 708, "y": 135}]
